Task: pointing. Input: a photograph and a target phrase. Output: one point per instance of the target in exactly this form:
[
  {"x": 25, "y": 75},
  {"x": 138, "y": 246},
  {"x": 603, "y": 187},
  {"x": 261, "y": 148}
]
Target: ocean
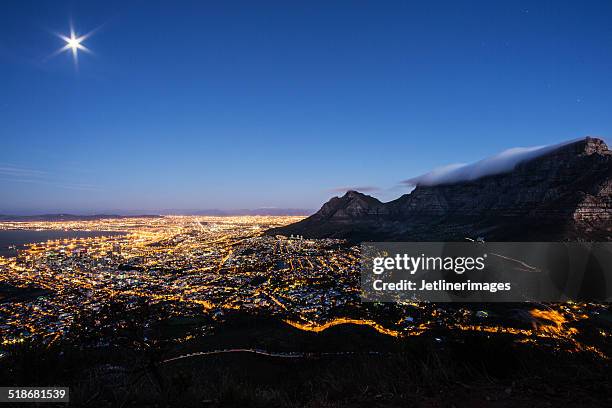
[{"x": 19, "y": 238}]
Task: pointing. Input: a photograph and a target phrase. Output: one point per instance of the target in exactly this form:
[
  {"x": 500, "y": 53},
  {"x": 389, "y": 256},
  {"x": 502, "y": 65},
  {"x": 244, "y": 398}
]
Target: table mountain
[{"x": 565, "y": 194}]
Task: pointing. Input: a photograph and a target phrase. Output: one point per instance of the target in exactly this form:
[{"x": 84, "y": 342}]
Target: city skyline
[{"x": 235, "y": 106}]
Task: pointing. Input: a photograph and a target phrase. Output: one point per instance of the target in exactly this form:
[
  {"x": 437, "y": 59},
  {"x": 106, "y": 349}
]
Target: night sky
[{"x": 283, "y": 104}]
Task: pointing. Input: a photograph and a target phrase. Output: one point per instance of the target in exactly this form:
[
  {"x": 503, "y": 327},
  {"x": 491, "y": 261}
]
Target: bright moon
[{"x": 74, "y": 44}]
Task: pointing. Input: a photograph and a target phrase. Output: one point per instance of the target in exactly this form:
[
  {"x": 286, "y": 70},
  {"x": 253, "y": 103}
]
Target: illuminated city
[{"x": 218, "y": 266}]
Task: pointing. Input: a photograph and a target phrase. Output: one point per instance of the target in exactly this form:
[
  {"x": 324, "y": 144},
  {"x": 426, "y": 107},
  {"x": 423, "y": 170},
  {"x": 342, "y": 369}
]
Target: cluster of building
[{"x": 209, "y": 266}]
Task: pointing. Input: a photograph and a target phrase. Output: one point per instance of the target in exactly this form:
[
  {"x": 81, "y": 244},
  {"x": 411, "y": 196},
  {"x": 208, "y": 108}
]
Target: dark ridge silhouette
[
  {"x": 563, "y": 195},
  {"x": 68, "y": 217}
]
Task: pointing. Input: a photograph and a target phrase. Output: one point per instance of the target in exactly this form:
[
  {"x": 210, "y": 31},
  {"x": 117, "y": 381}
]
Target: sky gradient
[{"x": 283, "y": 104}]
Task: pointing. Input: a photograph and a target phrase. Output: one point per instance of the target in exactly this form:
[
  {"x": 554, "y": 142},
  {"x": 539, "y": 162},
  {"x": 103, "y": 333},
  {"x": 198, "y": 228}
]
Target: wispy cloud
[
  {"x": 14, "y": 171},
  {"x": 78, "y": 186},
  {"x": 499, "y": 163},
  {"x": 17, "y": 174}
]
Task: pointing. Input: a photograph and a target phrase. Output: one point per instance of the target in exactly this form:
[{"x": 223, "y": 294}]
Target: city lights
[{"x": 208, "y": 266}]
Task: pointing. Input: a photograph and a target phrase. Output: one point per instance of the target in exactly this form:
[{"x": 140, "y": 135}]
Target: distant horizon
[
  {"x": 500, "y": 162},
  {"x": 164, "y": 212}
]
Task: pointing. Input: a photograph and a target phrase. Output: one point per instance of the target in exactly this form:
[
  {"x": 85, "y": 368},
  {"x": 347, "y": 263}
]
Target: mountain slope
[{"x": 565, "y": 194}]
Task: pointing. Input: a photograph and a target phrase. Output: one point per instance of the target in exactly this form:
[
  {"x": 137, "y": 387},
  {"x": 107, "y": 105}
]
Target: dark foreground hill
[
  {"x": 259, "y": 362},
  {"x": 565, "y": 194}
]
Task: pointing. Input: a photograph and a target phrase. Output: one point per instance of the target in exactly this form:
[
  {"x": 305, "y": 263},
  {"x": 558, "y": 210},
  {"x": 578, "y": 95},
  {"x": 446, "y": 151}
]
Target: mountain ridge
[
  {"x": 67, "y": 217},
  {"x": 564, "y": 194}
]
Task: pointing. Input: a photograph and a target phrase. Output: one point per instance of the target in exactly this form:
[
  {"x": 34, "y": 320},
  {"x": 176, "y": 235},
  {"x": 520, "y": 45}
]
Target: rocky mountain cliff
[{"x": 565, "y": 194}]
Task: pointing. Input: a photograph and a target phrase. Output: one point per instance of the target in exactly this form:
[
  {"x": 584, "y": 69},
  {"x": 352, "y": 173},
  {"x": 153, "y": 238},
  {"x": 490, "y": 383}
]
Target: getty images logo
[{"x": 414, "y": 264}]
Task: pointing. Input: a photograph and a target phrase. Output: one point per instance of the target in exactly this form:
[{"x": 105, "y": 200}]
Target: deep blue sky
[{"x": 252, "y": 104}]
